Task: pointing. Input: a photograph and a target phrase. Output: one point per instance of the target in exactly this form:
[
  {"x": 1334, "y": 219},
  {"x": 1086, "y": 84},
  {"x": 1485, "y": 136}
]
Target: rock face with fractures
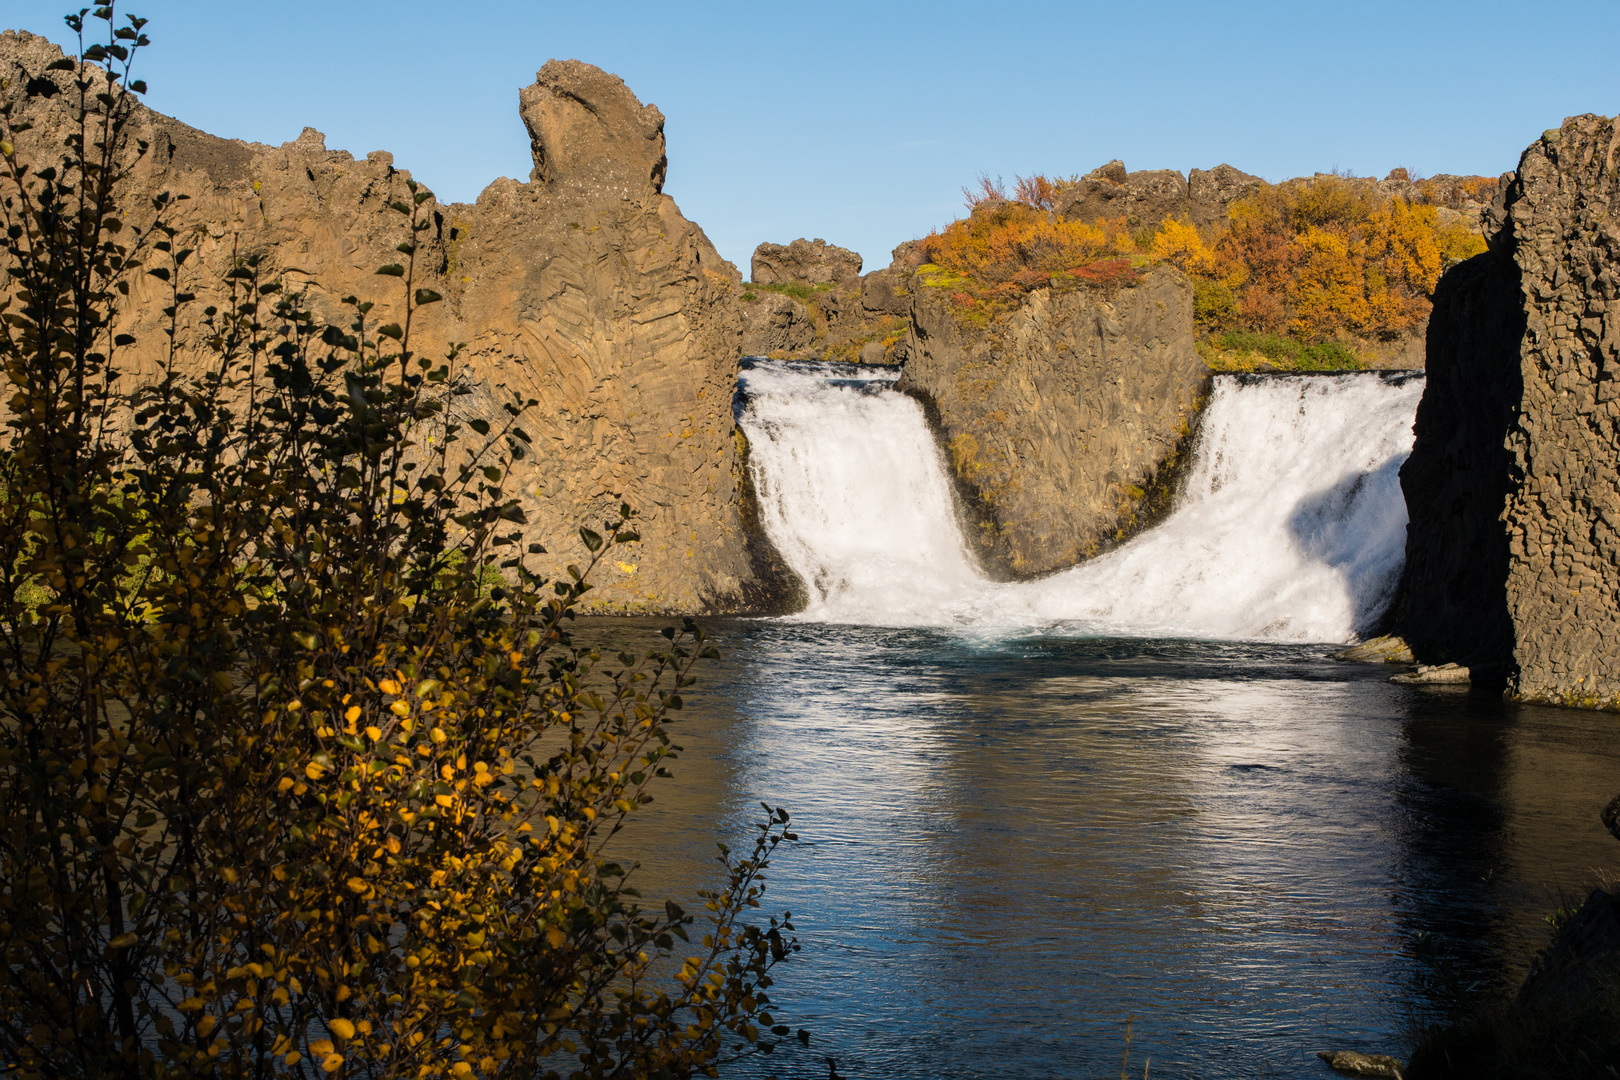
[
  {"x": 1058, "y": 420},
  {"x": 584, "y": 288},
  {"x": 1513, "y": 486}
]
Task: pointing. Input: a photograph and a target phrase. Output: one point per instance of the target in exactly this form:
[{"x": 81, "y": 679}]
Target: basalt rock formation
[
  {"x": 1058, "y": 419},
  {"x": 1513, "y": 487},
  {"x": 810, "y": 262},
  {"x": 808, "y": 300},
  {"x": 584, "y": 288}
]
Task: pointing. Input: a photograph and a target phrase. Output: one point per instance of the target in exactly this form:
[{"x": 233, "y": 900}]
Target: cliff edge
[
  {"x": 1513, "y": 486},
  {"x": 584, "y": 288}
]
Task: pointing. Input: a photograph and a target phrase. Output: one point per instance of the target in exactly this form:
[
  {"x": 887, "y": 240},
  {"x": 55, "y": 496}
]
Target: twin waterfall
[{"x": 1290, "y": 526}]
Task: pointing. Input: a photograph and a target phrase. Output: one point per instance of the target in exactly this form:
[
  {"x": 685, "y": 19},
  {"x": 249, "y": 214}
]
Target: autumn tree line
[{"x": 1322, "y": 261}]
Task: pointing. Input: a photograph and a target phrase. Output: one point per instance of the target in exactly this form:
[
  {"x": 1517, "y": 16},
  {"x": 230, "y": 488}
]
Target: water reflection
[{"x": 1013, "y": 845}]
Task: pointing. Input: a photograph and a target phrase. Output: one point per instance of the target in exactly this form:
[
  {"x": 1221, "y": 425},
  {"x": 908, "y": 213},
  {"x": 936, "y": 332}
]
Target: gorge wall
[
  {"x": 1058, "y": 419},
  {"x": 583, "y": 287},
  {"x": 1513, "y": 486}
]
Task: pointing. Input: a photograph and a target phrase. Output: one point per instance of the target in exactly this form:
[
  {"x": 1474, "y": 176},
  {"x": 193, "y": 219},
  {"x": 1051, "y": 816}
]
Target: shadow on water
[{"x": 1011, "y": 845}]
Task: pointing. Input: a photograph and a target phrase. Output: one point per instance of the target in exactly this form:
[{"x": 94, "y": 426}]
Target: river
[{"x": 1131, "y": 818}]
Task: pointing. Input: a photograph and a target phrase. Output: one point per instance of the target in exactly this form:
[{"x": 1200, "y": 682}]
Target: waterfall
[{"x": 1291, "y": 524}]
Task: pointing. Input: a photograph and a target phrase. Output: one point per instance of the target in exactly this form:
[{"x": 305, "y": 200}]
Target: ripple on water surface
[{"x": 1011, "y": 845}]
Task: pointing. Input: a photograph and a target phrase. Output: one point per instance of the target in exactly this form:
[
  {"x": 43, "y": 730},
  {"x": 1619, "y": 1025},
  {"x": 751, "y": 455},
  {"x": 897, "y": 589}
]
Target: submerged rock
[
  {"x": 1442, "y": 673},
  {"x": 1358, "y": 1064},
  {"x": 1379, "y": 650}
]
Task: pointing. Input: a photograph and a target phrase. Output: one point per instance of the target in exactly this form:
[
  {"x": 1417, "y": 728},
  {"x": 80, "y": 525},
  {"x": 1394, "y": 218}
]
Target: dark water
[{"x": 1011, "y": 848}]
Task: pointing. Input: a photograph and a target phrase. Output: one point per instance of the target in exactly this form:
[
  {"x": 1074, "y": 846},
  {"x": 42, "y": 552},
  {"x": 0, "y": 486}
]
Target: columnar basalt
[
  {"x": 1058, "y": 419},
  {"x": 583, "y": 288},
  {"x": 1533, "y": 333}
]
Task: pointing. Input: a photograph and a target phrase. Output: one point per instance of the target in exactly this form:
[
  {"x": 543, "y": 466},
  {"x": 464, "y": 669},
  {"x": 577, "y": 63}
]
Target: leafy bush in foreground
[{"x": 286, "y": 787}]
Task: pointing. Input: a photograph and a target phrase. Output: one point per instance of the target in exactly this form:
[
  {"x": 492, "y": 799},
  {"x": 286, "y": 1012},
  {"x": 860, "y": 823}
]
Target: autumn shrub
[
  {"x": 300, "y": 773},
  {"x": 1320, "y": 261},
  {"x": 1001, "y": 251},
  {"x": 1327, "y": 259}
]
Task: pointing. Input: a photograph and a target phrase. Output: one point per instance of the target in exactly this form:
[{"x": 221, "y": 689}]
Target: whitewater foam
[{"x": 1291, "y": 524}]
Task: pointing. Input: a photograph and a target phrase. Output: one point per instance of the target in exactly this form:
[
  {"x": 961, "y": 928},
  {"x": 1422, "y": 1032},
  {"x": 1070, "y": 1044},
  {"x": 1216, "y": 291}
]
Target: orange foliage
[
  {"x": 1040, "y": 191},
  {"x": 1320, "y": 259},
  {"x": 1325, "y": 259},
  {"x": 1013, "y": 244}
]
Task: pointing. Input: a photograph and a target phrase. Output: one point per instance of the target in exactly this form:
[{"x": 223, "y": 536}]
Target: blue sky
[{"x": 861, "y": 122}]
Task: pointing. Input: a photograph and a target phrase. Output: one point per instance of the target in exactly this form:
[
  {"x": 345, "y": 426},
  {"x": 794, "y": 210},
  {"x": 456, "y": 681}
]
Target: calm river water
[{"x": 1015, "y": 848}]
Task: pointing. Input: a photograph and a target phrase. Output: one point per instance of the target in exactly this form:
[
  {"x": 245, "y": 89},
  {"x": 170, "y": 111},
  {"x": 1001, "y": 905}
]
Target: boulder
[
  {"x": 803, "y": 262},
  {"x": 1142, "y": 198},
  {"x": 1059, "y": 422},
  {"x": 884, "y": 292}
]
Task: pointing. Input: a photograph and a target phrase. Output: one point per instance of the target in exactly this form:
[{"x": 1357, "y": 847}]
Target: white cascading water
[{"x": 1291, "y": 525}]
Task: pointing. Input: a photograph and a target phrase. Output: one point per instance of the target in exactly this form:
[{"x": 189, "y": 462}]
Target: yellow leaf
[
  {"x": 388, "y": 686},
  {"x": 313, "y": 771},
  {"x": 286, "y": 782},
  {"x": 332, "y": 1064},
  {"x": 293, "y": 1058},
  {"x": 400, "y": 708},
  {"x": 374, "y": 734},
  {"x": 443, "y": 800},
  {"x": 438, "y": 735},
  {"x": 342, "y": 1028},
  {"x": 357, "y": 885},
  {"x": 322, "y": 1047},
  {"x": 353, "y": 714},
  {"x": 556, "y": 937},
  {"x": 461, "y": 1068}
]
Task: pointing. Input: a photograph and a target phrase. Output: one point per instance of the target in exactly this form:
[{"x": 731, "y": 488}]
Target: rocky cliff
[
  {"x": 1513, "y": 486},
  {"x": 808, "y": 300},
  {"x": 1059, "y": 418},
  {"x": 584, "y": 288}
]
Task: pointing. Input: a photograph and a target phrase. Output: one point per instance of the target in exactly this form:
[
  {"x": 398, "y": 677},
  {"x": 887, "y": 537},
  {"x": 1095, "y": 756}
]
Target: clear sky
[{"x": 861, "y": 122}]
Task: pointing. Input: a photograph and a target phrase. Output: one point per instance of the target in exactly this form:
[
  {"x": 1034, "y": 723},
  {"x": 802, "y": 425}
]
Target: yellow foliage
[
  {"x": 1179, "y": 242},
  {"x": 219, "y": 831}
]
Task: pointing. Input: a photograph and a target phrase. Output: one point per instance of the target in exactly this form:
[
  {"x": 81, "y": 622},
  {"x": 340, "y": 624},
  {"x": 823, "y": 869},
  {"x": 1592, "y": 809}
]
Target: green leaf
[
  {"x": 427, "y": 296},
  {"x": 480, "y": 426},
  {"x": 593, "y": 541},
  {"x": 391, "y": 270},
  {"x": 392, "y": 330}
]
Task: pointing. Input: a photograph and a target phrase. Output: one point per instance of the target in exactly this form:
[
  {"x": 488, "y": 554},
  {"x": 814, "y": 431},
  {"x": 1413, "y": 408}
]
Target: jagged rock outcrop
[
  {"x": 1205, "y": 196},
  {"x": 584, "y": 288},
  {"x": 808, "y": 262},
  {"x": 833, "y": 313},
  {"x": 1058, "y": 419},
  {"x": 1532, "y": 331},
  {"x": 1149, "y": 196}
]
